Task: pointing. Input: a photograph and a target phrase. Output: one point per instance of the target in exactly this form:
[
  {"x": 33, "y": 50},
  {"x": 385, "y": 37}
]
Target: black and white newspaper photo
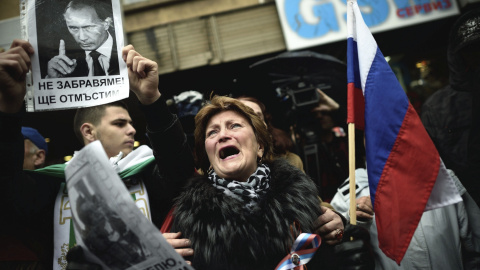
[
  {"x": 77, "y": 60},
  {"x": 108, "y": 225}
]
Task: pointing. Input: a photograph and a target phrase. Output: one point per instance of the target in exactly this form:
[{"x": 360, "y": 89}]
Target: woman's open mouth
[{"x": 228, "y": 151}]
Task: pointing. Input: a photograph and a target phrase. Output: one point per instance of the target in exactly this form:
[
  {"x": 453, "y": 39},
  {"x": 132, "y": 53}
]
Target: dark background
[{"x": 424, "y": 41}]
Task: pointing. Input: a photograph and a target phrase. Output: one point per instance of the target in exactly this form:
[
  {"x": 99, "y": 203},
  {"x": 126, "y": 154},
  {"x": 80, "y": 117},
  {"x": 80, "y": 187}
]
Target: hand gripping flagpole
[{"x": 301, "y": 252}]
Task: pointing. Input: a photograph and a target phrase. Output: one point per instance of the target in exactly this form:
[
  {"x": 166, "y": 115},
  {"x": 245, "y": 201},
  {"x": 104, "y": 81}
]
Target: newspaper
[
  {"x": 109, "y": 227},
  {"x": 66, "y": 40}
]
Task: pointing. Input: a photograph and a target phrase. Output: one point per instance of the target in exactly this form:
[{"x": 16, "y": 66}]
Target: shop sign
[{"x": 307, "y": 23}]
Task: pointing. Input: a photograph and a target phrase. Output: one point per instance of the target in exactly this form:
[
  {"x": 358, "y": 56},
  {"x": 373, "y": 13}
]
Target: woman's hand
[
  {"x": 181, "y": 245},
  {"x": 329, "y": 226}
]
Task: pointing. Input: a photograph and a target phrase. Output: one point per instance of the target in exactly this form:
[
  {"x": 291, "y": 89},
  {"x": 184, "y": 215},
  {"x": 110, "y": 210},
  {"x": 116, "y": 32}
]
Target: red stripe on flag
[
  {"x": 405, "y": 186},
  {"x": 355, "y": 106}
]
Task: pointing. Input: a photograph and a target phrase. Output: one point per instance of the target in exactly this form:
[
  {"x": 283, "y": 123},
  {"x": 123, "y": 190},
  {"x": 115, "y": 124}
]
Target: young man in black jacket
[{"x": 27, "y": 207}]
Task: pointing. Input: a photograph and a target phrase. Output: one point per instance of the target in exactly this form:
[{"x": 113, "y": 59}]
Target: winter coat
[
  {"x": 225, "y": 235},
  {"x": 451, "y": 114}
]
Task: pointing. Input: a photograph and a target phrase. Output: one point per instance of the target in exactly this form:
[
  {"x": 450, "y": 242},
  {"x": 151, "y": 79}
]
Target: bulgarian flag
[{"x": 406, "y": 174}]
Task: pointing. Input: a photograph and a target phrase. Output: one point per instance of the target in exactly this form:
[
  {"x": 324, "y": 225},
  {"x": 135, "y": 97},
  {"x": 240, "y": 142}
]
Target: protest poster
[
  {"x": 110, "y": 228},
  {"x": 78, "y": 53}
]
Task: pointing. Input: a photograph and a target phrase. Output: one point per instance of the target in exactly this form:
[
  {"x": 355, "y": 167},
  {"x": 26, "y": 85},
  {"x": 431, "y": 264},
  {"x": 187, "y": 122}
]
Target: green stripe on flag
[
  {"x": 72, "y": 241},
  {"x": 58, "y": 170}
]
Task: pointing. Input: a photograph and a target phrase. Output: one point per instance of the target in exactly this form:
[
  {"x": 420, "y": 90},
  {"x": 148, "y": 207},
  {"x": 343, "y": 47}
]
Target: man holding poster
[
  {"x": 88, "y": 21},
  {"x": 27, "y": 222}
]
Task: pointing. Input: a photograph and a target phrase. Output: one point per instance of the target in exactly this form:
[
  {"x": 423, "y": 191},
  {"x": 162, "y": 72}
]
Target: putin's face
[{"x": 88, "y": 30}]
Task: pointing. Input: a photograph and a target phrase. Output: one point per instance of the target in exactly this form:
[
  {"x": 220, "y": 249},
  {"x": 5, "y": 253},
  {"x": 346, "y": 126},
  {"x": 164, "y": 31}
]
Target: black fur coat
[{"x": 225, "y": 235}]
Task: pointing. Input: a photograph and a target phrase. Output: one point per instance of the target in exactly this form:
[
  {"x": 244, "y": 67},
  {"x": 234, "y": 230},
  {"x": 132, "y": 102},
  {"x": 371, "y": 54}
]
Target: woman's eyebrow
[{"x": 212, "y": 126}]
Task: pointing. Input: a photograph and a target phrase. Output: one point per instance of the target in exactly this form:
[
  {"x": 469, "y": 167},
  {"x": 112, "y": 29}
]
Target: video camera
[{"x": 304, "y": 96}]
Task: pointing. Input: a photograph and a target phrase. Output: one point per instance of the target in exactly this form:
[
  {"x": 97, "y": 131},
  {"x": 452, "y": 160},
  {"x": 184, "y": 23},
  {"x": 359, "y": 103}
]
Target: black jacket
[
  {"x": 82, "y": 67},
  {"x": 447, "y": 114},
  {"x": 26, "y": 208},
  {"x": 451, "y": 116},
  {"x": 225, "y": 235}
]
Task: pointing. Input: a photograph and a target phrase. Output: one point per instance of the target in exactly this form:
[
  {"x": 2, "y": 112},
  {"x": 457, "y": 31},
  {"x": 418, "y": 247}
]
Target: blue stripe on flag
[
  {"x": 353, "y": 72},
  {"x": 385, "y": 106}
]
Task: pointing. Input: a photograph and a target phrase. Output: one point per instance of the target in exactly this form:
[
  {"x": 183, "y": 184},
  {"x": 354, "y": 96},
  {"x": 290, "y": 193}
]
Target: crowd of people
[{"x": 238, "y": 200}]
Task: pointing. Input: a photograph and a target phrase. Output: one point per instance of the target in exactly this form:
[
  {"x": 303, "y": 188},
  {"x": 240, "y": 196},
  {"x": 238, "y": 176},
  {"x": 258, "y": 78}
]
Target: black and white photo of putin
[{"x": 90, "y": 23}]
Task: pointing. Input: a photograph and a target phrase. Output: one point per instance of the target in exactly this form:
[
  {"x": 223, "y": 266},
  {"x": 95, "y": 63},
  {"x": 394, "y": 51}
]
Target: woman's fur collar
[{"x": 225, "y": 235}]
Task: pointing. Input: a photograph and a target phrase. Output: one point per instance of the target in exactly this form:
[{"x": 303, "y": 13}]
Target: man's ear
[
  {"x": 89, "y": 133},
  {"x": 39, "y": 158},
  {"x": 107, "y": 23}
]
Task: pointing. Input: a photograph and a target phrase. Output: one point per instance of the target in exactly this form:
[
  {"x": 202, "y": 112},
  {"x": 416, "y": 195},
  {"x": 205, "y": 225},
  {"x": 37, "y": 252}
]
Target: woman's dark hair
[{"x": 220, "y": 104}]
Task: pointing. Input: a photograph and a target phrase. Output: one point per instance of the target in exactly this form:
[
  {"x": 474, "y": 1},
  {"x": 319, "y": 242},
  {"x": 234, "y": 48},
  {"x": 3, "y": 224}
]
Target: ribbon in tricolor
[{"x": 301, "y": 253}]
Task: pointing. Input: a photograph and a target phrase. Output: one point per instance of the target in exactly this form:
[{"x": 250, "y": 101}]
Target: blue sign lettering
[
  {"x": 373, "y": 12},
  {"x": 324, "y": 11}
]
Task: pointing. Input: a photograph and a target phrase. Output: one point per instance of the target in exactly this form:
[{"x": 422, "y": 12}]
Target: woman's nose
[{"x": 223, "y": 135}]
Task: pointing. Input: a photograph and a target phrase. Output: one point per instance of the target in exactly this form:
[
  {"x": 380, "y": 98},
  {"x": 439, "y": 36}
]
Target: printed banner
[
  {"x": 78, "y": 54},
  {"x": 108, "y": 225}
]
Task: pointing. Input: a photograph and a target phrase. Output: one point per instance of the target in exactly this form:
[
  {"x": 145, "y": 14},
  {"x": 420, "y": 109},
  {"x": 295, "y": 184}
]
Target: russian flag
[{"x": 406, "y": 174}]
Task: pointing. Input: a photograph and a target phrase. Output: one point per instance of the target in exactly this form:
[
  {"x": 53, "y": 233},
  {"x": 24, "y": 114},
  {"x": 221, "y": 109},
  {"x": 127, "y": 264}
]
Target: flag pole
[
  {"x": 351, "y": 126},
  {"x": 351, "y": 160}
]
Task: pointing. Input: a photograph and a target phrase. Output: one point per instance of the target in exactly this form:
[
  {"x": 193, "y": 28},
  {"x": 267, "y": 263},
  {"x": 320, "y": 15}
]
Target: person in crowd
[
  {"x": 283, "y": 144},
  {"x": 186, "y": 105},
  {"x": 89, "y": 23},
  {"x": 446, "y": 238},
  {"x": 247, "y": 209},
  {"x": 451, "y": 115},
  {"x": 36, "y": 149},
  {"x": 331, "y": 143},
  {"x": 27, "y": 207}
]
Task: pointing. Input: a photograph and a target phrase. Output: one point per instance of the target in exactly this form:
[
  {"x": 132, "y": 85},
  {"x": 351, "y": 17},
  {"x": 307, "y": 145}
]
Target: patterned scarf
[{"x": 250, "y": 191}]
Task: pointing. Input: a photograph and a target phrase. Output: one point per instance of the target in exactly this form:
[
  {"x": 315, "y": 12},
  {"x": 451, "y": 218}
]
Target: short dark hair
[
  {"x": 102, "y": 9},
  {"x": 220, "y": 104},
  {"x": 92, "y": 115}
]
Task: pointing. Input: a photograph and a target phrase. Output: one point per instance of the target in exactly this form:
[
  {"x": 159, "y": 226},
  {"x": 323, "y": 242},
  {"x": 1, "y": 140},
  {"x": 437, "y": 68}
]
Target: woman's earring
[
  {"x": 210, "y": 170},
  {"x": 259, "y": 160}
]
